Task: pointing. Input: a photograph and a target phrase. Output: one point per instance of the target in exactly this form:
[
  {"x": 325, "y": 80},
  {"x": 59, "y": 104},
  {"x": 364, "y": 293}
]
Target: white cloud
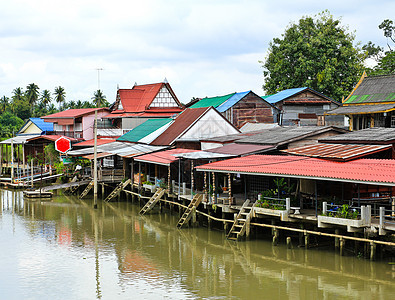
[{"x": 203, "y": 47}]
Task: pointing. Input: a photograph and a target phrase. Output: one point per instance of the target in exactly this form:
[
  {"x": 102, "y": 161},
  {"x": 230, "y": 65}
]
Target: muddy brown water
[{"x": 65, "y": 249}]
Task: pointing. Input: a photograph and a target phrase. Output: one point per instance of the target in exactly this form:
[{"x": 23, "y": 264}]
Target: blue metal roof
[
  {"x": 283, "y": 95},
  {"x": 231, "y": 101},
  {"x": 44, "y": 126}
]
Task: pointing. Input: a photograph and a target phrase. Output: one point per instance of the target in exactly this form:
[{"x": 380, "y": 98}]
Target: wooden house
[
  {"x": 241, "y": 108},
  {"x": 370, "y": 104},
  {"x": 134, "y": 106},
  {"x": 305, "y": 106},
  {"x": 35, "y": 126}
]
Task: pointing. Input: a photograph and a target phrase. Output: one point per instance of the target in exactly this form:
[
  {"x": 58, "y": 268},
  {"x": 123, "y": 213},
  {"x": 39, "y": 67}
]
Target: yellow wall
[{"x": 32, "y": 128}]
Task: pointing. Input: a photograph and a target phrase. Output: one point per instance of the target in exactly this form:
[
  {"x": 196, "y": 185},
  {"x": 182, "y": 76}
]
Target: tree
[
  {"x": 45, "y": 98},
  {"x": 317, "y": 53},
  {"x": 32, "y": 94},
  {"x": 99, "y": 99},
  {"x": 385, "y": 60},
  {"x": 4, "y": 103},
  {"x": 17, "y": 94},
  {"x": 60, "y": 95}
]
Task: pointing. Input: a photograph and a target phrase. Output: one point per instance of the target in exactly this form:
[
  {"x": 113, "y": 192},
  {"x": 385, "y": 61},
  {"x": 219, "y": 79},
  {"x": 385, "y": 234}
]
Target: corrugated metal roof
[
  {"x": 283, "y": 135},
  {"x": 165, "y": 157},
  {"x": 143, "y": 130},
  {"x": 73, "y": 113},
  {"x": 44, "y": 126},
  {"x": 90, "y": 143},
  {"x": 370, "y": 171},
  {"x": 232, "y": 101},
  {"x": 203, "y": 155},
  {"x": 180, "y": 125},
  {"x": 374, "y": 89},
  {"x": 212, "y": 101},
  {"x": 20, "y": 139},
  {"x": 377, "y": 135},
  {"x": 241, "y": 149},
  {"x": 284, "y": 94},
  {"x": 361, "y": 109},
  {"x": 337, "y": 152},
  {"x": 248, "y": 127}
]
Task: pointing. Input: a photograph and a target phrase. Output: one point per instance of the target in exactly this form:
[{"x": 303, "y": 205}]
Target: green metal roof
[
  {"x": 212, "y": 101},
  {"x": 143, "y": 130}
]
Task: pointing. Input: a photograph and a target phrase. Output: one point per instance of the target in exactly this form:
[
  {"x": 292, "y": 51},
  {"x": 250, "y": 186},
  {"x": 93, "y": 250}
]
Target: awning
[
  {"x": 368, "y": 171},
  {"x": 338, "y": 152},
  {"x": 361, "y": 109},
  {"x": 19, "y": 139}
]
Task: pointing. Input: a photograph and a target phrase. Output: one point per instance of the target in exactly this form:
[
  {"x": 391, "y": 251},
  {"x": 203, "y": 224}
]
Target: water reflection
[{"x": 113, "y": 252}]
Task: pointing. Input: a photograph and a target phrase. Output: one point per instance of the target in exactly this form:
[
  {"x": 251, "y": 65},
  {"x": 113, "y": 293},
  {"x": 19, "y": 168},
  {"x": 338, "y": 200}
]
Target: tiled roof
[
  {"x": 139, "y": 98},
  {"x": 165, "y": 157},
  {"x": 73, "y": 113},
  {"x": 374, "y": 89},
  {"x": 378, "y": 171},
  {"x": 143, "y": 130},
  {"x": 338, "y": 152},
  {"x": 180, "y": 125},
  {"x": 212, "y": 101}
]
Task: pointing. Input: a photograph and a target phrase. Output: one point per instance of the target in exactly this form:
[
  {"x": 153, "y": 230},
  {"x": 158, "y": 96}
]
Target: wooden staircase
[
  {"x": 240, "y": 224},
  {"x": 152, "y": 201},
  {"x": 188, "y": 211},
  {"x": 87, "y": 189},
  {"x": 117, "y": 190}
]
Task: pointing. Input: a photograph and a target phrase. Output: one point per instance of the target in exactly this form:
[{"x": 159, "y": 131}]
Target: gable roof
[
  {"x": 143, "y": 130},
  {"x": 43, "y": 126},
  {"x": 73, "y": 113},
  {"x": 285, "y": 94},
  {"x": 212, "y": 101},
  {"x": 184, "y": 120},
  {"x": 232, "y": 101},
  {"x": 373, "y": 89},
  {"x": 139, "y": 98}
]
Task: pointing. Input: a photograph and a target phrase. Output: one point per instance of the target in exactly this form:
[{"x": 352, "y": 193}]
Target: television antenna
[{"x": 98, "y": 77}]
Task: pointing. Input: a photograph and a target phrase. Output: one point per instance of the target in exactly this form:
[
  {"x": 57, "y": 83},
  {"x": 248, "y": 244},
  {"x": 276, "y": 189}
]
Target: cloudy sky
[{"x": 203, "y": 47}]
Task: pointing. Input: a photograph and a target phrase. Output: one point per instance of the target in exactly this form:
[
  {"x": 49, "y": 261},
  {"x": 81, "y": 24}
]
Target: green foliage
[
  {"x": 51, "y": 155},
  {"x": 344, "y": 212},
  {"x": 9, "y": 124},
  {"x": 317, "y": 53}
]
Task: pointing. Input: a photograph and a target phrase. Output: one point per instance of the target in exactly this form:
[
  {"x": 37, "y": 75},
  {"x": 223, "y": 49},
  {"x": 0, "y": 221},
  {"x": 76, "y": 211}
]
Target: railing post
[
  {"x": 368, "y": 215},
  {"x": 324, "y": 208},
  {"x": 288, "y": 205},
  {"x": 363, "y": 214},
  {"x": 381, "y": 224},
  {"x": 184, "y": 188}
]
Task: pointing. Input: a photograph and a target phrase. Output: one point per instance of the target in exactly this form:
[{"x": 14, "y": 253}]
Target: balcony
[{"x": 71, "y": 134}]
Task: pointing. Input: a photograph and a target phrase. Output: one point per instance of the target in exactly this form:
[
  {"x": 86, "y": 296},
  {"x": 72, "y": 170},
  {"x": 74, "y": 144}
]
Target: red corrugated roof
[
  {"x": 180, "y": 125},
  {"x": 91, "y": 143},
  {"x": 337, "y": 151},
  {"x": 163, "y": 157},
  {"x": 149, "y": 114},
  {"x": 73, "y": 113},
  {"x": 51, "y": 138},
  {"x": 378, "y": 171},
  {"x": 139, "y": 98}
]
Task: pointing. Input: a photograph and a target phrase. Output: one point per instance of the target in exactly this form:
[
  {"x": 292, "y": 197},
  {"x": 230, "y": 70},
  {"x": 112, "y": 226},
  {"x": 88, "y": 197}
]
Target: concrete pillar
[
  {"x": 306, "y": 240},
  {"x": 275, "y": 236},
  {"x": 342, "y": 245},
  {"x": 289, "y": 242},
  {"x": 337, "y": 240},
  {"x": 372, "y": 251},
  {"x": 324, "y": 208}
]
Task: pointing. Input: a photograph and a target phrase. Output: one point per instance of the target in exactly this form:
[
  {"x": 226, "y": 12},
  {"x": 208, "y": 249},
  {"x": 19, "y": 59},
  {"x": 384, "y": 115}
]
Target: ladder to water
[
  {"x": 240, "y": 224},
  {"x": 188, "y": 211},
  {"x": 87, "y": 189},
  {"x": 152, "y": 201},
  {"x": 117, "y": 190}
]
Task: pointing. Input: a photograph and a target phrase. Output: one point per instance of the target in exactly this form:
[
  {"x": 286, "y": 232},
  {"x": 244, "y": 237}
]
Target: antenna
[{"x": 98, "y": 77}]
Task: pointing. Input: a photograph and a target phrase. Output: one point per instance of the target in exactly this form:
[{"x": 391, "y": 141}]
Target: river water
[{"x": 65, "y": 249}]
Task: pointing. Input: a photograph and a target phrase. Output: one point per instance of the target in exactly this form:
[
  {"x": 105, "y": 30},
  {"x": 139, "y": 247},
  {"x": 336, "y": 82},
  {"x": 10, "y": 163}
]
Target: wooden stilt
[
  {"x": 275, "y": 236},
  {"x": 289, "y": 242},
  {"x": 342, "y": 244},
  {"x": 306, "y": 240},
  {"x": 372, "y": 251}
]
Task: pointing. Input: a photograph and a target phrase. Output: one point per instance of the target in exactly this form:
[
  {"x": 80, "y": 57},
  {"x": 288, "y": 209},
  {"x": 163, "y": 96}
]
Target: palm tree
[
  {"x": 60, "y": 95},
  {"x": 4, "y": 103},
  {"x": 79, "y": 104},
  {"x": 45, "y": 98},
  {"x": 17, "y": 94},
  {"x": 32, "y": 94},
  {"x": 98, "y": 98}
]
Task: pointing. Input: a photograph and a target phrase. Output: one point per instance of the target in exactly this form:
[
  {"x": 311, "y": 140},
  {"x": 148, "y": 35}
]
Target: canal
[{"x": 65, "y": 249}]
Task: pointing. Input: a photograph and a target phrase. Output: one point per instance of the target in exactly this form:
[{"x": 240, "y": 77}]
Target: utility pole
[{"x": 95, "y": 164}]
